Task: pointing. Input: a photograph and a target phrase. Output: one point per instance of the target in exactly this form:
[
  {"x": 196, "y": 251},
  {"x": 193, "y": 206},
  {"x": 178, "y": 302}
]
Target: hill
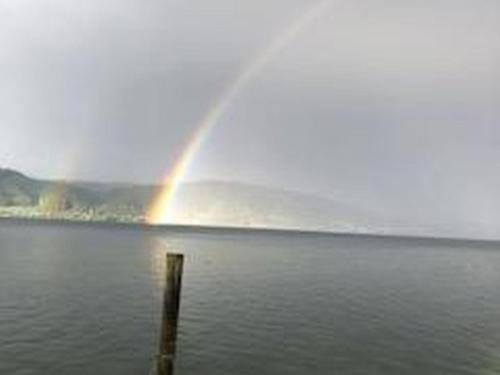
[
  {"x": 215, "y": 203},
  {"x": 17, "y": 189},
  {"x": 237, "y": 204},
  {"x": 201, "y": 203}
]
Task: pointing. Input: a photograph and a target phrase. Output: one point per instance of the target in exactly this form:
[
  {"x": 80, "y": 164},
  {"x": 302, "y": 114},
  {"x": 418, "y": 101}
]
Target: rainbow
[{"x": 161, "y": 209}]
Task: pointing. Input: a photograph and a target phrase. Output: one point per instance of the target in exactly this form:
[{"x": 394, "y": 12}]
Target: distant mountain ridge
[
  {"x": 17, "y": 189},
  {"x": 200, "y": 203},
  {"x": 234, "y": 203},
  {"x": 213, "y": 203}
]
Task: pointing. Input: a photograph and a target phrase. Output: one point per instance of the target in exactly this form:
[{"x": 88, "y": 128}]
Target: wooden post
[{"x": 171, "y": 303}]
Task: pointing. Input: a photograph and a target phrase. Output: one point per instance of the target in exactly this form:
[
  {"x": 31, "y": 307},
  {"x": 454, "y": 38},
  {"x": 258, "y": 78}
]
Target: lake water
[{"x": 84, "y": 299}]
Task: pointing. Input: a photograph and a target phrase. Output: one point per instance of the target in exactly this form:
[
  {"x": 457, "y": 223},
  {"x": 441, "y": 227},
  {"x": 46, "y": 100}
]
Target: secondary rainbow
[{"x": 161, "y": 209}]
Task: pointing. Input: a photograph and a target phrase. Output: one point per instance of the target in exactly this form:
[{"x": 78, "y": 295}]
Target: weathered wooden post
[{"x": 171, "y": 304}]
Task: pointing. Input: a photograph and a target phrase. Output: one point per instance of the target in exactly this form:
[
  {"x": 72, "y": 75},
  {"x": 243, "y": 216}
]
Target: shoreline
[{"x": 228, "y": 230}]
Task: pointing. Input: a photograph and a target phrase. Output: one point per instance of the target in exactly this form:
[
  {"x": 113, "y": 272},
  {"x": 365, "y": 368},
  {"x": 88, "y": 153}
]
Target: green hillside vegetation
[
  {"x": 198, "y": 203},
  {"x": 18, "y": 190},
  {"x": 22, "y": 196},
  {"x": 135, "y": 198}
]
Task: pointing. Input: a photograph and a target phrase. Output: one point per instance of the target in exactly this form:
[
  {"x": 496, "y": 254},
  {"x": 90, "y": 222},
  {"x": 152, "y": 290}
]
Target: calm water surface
[{"x": 83, "y": 299}]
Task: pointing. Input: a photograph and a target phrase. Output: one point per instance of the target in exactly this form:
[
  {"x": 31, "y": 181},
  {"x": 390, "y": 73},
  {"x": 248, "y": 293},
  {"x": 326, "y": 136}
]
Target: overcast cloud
[{"x": 390, "y": 104}]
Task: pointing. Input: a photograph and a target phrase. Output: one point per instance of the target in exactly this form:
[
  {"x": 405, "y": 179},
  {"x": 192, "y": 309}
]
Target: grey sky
[{"x": 393, "y": 104}]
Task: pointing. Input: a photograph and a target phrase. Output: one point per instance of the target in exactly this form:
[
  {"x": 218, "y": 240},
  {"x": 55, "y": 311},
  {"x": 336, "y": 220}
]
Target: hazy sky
[{"x": 394, "y": 104}]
